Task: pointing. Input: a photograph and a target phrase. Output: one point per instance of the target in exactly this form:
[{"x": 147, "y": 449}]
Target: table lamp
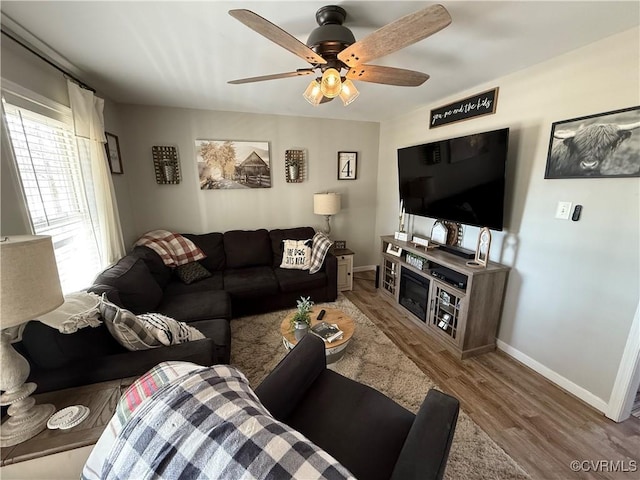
[
  {"x": 326, "y": 204},
  {"x": 29, "y": 288}
]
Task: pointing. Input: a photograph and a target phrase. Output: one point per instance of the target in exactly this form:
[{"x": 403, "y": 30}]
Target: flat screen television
[{"x": 460, "y": 179}]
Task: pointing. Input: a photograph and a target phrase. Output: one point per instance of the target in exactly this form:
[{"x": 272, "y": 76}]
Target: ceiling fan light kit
[
  {"x": 331, "y": 47},
  {"x": 313, "y": 93},
  {"x": 348, "y": 92},
  {"x": 331, "y": 83}
]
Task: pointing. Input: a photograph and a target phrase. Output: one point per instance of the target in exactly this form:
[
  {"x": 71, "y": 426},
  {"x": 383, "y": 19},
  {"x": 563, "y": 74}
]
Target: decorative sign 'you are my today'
[{"x": 482, "y": 104}]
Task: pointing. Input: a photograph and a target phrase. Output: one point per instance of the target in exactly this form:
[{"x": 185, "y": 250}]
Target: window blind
[{"x": 52, "y": 181}]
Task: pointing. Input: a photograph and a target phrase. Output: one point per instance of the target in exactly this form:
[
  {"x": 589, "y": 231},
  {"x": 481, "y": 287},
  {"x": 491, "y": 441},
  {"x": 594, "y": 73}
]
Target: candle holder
[{"x": 401, "y": 234}]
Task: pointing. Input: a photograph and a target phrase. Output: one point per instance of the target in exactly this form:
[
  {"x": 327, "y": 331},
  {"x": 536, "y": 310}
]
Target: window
[{"x": 54, "y": 186}]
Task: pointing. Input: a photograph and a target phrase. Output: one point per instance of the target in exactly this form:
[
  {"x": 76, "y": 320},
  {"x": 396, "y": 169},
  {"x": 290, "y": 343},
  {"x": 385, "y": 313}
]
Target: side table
[
  {"x": 345, "y": 268},
  {"x": 101, "y": 398}
]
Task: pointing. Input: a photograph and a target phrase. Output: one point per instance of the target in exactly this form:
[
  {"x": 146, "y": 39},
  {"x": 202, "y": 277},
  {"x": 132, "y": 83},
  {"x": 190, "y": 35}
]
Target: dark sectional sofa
[{"x": 245, "y": 279}]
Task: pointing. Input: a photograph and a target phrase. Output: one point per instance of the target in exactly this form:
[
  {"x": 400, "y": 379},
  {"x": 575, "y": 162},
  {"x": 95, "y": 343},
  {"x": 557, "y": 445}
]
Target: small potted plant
[{"x": 301, "y": 320}]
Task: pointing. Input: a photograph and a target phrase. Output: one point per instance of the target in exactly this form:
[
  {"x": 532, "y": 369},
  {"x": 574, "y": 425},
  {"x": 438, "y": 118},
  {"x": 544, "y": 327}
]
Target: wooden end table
[
  {"x": 335, "y": 350},
  {"x": 101, "y": 398}
]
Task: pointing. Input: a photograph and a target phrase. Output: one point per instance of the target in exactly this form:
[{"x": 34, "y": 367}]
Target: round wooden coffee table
[{"x": 335, "y": 350}]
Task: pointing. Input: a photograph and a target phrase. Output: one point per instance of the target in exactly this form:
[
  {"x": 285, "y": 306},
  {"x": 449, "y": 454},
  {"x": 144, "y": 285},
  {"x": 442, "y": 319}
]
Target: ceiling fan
[{"x": 332, "y": 48}]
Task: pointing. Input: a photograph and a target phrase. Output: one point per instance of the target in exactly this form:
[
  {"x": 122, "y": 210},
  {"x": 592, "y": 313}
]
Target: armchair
[{"x": 367, "y": 432}]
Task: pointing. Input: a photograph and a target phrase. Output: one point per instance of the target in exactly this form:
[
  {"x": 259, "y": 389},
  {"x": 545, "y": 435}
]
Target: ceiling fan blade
[
  {"x": 275, "y": 76},
  {"x": 387, "y": 75},
  {"x": 396, "y": 35},
  {"x": 274, "y": 33}
]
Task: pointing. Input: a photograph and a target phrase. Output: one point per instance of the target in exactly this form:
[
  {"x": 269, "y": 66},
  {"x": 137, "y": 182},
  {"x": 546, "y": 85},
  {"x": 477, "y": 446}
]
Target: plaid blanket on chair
[
  {"x": 173, "y": 248},
  {"x": 209, "y": 424}
]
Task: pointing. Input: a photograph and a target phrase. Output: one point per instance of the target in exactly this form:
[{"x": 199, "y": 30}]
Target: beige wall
[
  {"x": 186, "y": 208},
  {"x": 574, "y": 286}
]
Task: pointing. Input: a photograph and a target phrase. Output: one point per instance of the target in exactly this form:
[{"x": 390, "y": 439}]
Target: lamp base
[
  {"x": 26, "y": 419},
  {"x": 22, "y": 426},
  {"x": 327, "y": 226}
]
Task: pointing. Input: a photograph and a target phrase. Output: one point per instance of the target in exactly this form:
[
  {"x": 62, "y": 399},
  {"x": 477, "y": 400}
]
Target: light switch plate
[{"x": 563, "y": 211}]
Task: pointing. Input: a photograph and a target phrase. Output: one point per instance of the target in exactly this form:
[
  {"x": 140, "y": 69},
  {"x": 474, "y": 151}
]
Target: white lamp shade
[
  {"x": 29, "y": 282},
  {"x": 326, "y": 203}
]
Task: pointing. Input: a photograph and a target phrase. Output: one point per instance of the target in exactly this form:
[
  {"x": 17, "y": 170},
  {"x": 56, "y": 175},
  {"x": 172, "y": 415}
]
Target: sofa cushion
[
  {"x": 154, "y": 263},
  {"x": 250, "y": 282},
  {"x": 218, "y": 330},
  {"x": 192, "y": 306},
  {"x": 247, "y": 248},
  {"x": 277, "y": 235},
  {"x": 177, "y": 287},
  {"x": 299, "y": 280},
  {"x": 138, "y": 290},
  {"x": 213, "y": 247},
  {"x": 47, "y": 348},
  {"x": 296, "y": 254},
  {"x": 192, "y": 272}
]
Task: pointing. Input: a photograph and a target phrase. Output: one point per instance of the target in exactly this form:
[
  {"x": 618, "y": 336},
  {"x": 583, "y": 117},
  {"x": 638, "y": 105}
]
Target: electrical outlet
[{"x": 563, "y": 211}]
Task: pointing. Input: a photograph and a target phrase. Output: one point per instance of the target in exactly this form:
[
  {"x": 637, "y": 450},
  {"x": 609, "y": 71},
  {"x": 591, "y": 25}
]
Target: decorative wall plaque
[
  {"x": 475, "y": 106},
  {"x": 166, "y": 165},
  {"x": 294, "y": 166}
]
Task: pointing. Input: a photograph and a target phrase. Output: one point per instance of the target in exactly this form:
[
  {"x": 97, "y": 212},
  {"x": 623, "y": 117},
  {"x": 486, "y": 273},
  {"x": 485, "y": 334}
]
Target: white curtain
[{"x": 88, "y": 119}]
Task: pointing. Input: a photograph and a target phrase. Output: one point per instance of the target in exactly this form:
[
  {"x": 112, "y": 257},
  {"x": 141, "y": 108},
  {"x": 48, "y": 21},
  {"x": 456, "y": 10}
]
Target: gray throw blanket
[{"x": 210, "y": 424}]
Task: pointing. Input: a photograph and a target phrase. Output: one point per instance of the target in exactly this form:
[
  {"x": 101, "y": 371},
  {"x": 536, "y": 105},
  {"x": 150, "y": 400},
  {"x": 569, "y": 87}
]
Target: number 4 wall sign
[{"x": 347, "y": 165}]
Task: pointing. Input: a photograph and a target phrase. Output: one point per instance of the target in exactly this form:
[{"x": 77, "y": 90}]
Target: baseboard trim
[
  {"x": 559, "y": 380},
  {"x": 364, "y": 268}
]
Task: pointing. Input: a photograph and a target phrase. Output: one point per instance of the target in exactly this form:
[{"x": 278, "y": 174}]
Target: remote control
[
  {"x": 576, "y": 213},
  {"x": 321, "y": 314}
]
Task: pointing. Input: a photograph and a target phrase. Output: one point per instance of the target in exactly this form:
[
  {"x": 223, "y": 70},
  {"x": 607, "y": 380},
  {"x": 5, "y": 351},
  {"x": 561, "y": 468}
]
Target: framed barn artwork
[
  {"x": 596, "y": 146},
  {"x": 229, "y": 164}
]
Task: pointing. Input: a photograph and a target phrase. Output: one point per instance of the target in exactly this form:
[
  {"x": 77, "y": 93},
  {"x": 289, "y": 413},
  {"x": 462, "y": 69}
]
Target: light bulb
[
  {"x": 348, "y": 92},
  {"x": 331, "y": 83},
  {"x": 313, "y": 93}
]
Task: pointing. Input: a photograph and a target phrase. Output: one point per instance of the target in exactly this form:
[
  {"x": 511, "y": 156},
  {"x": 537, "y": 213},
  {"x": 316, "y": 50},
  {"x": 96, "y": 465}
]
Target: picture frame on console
[
  {"x": 394, "y": 250},
  {"x": 603, "y": 145}
]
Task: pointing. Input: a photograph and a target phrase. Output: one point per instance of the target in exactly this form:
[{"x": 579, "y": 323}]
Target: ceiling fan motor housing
[{"x": 331, "y": 37}]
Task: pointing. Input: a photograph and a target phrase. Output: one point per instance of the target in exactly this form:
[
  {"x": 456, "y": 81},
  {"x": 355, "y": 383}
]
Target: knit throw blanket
[
  {"x": 209, "y": 424},
  {"x": 173, "y": 248}
]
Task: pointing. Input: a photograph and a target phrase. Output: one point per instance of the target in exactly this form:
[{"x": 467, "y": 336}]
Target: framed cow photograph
[{"x": 596, "y": 146}]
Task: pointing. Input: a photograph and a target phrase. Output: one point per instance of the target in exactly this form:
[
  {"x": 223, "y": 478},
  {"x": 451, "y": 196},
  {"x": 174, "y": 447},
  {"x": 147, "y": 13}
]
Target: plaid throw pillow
[
  {"x": 169, "y": 331},
  {"x": 128, "y": 330},
  {"x": 319, "y": 249},
  {"x": 192, "y": 272}
]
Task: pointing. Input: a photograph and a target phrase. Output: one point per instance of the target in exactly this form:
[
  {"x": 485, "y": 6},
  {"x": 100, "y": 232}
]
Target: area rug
[{"x": 373, "y": 359}]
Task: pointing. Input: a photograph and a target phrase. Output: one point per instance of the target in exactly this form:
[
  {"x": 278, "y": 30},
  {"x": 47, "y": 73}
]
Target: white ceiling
[{"x": 182, "y": 54}]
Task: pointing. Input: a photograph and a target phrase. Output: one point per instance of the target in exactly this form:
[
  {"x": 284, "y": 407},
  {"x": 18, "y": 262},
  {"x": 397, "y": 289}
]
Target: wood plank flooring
[{"x": 539, "y": 425}]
